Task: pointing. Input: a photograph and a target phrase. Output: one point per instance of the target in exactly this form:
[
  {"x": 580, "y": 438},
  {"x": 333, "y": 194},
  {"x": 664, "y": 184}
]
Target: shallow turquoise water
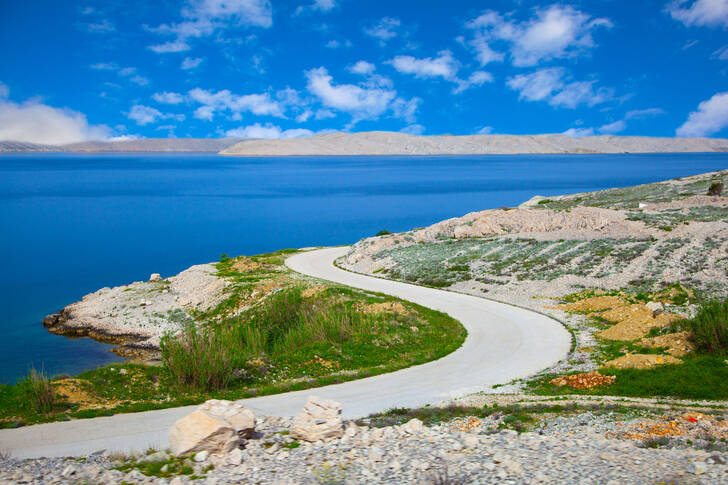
[{"x": 73, "y": 223}]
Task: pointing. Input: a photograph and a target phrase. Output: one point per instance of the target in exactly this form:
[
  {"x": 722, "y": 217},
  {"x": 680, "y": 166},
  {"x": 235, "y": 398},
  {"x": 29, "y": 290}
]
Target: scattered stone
[
  {"x": 584, "y": 381},
  {"x": 155, "y": 277},
  {"x": 216, "y": 426},
  {"x": 319, "y": 420},
  {"x": 656, "y": 307},
  {"x": 201, "y": 456},
  {"x": 641, "y": 361}
]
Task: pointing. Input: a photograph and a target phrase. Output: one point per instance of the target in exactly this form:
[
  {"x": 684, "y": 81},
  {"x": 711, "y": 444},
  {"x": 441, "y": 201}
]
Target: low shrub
[
  {"x": 383, "y": 232},
  {"x": 203, "y": 358},
  {"x": 710, "y": 327},
  {"x": 716, "y": 188},
  {"x": 40, "y": 391}
]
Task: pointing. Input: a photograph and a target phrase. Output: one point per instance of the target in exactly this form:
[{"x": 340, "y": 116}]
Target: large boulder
[
  {"x": 319, "y": 420},
  {"x": 217, "y": 427}
]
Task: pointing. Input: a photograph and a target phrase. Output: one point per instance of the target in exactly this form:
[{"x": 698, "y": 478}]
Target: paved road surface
[{"x": 503, "y": 343}]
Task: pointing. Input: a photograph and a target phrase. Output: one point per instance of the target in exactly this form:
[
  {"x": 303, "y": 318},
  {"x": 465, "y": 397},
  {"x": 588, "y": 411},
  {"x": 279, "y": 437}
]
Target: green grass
[
  {"x": 709, "y": 328},
  {"x": 284, "y": 343},
  {"x": 39, "y": 391},
  {"x": 698, "y": 377}
]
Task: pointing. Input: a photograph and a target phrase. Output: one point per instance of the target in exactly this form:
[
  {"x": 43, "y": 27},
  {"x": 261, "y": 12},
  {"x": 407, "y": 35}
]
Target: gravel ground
[{"x": 568, "y": 450}]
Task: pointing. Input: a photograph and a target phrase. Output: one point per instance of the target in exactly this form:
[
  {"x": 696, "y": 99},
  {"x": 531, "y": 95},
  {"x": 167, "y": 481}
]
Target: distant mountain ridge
[
  {"x": 213, "y": 145},
  {"x": 393, "y": 143},
  {"x": 389, "y": 143}
]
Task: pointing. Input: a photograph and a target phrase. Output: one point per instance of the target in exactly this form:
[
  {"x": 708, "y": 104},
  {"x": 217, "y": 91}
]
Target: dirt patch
[
  {"x": 593, "y": 304},
  {"x": 634, "y": 322},
  {"x": 641, "y": 361},
  {"x": 312, "y": 291},
  {"x": 584, "y": 381},
  {"x": 678, "y": 344},
  {"x": 386, "y": 307},
  {"x": 244, "y": 264},
  {"x": 75, "y": 391}
]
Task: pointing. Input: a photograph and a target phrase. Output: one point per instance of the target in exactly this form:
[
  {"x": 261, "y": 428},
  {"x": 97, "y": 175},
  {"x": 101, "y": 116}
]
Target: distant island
[{"x": 390, "y": 143}]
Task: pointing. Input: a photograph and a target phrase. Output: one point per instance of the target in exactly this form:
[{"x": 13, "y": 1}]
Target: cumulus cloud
[
  {"x": 486, "y": 130},
  {"x": 579, "y": 132},
  {"x": 212, "y": 102},
  {"x": 360, "y": 101},
  {"x": 710, "y": 117},
  {"x": 550, "y": 85},
  {"x": 35, "y": 122},
  {"x": 559, "y": 31},
  {"x": 267, "y": 131},
  {"x": 202, "y": 18},
  {"x": 189, "y": 63},
  {"x": 611, "y": 128},
  {"x": 168, "y": 98},
  {"x": 383, "y": 30},
  {"x": 708, "y": 13},
  {"x": 317, "y": 6},
  {"x": 362, "y": 67},
  {"x": 144, "y": 115},
  {"x": 443, "y": 66}
]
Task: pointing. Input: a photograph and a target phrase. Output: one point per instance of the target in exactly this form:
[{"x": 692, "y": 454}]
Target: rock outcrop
[
  {"x": 320, "y": 420},
  {"x": 215, "y": 427}
]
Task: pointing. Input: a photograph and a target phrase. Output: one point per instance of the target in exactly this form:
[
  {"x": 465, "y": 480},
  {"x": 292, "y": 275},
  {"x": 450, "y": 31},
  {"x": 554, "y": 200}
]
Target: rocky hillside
[
  {"x": 390, "y": 143},
  {"x": 141, "y": 145}
]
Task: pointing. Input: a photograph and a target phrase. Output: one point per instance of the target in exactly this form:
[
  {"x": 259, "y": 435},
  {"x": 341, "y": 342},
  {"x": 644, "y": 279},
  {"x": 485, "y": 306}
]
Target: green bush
[
  {"x": 383, "y": 232},
  {"x": 710, "y": 327},
  {"x": 203, "y": 358},
  {"x": 716, "y": 188},
  {"x": 39, "y": 390}
]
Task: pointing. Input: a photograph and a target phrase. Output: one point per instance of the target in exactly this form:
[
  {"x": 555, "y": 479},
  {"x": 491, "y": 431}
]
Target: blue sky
[{"x": 79, "y": 70}]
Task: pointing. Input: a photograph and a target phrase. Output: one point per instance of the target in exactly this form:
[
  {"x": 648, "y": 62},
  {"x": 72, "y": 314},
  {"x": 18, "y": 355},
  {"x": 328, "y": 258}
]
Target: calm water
[{"x": 70, "y": 224}]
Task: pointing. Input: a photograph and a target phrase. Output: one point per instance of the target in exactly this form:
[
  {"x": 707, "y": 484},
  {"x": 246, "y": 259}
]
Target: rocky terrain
[
  {"x": 656, "y": 240},
  {"x": 138, "y": 145},
  {"x": 392, "y": 143},
  {"x": 137, "y": 315},
  {"x": 223, "y": 442}
]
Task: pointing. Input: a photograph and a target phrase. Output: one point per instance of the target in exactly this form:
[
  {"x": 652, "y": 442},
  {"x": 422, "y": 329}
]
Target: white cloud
[
  {"x": 361, "y": 103},
  {"x": 362, "y": 67},
  {"x": 611, "y": 128},
  {"x": 559, "y": 31},
  {"x": 102, "y": 27},
  {"x": 34, "y": 122},
  {"x": 383, "y": 30},
  {"x": 486, "y": 130},
  {"x": 444, "y": 66},
  {"x": 204, "y": 17},
  {"x": 268, "y": 131},
  {"x": 4, "y": 90},
  {"x": 709, "y": 13},
  {"x": 549, "y": 85},
  {"x": 711, "y": 117},
  {"x": 638, "y": 114},
  {"x": 168, "y": 98},
  {"x": 324, "y": 114},
  {"x": 477, "y": 78},
  {"x": 579, "y": 132},
  {"x": 413, "y": 129},
  {"x": 190, "y": 63},
  {"x": 317, "y": 5},
  {"x": 144, "y": 115},
  {"x": 131, "y": 73},
  {"x": 722, "y": 53},
  {"x": 259, "y": 104}
]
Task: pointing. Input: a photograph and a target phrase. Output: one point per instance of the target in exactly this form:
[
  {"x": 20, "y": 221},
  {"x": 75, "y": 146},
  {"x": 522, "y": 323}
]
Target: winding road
[{"x": 504, "y": 343}]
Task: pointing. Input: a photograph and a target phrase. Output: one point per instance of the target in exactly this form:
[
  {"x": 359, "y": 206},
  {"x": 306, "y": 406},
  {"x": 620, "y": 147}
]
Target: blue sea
[{"x": 73, "y": 223}]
